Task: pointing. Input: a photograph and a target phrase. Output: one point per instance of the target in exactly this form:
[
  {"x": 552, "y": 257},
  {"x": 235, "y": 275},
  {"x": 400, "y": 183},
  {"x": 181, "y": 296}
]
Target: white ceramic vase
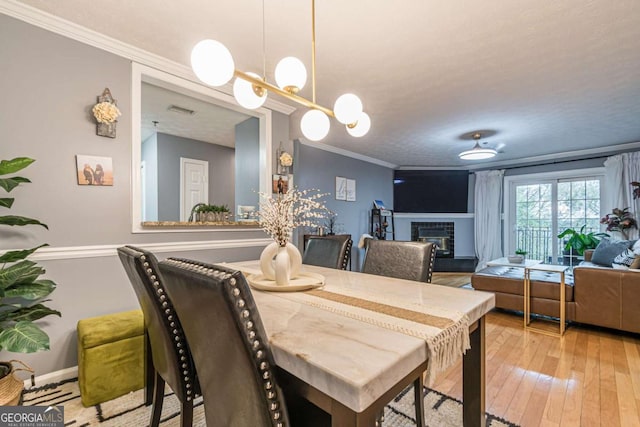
[{"x": 280, "y": 263}]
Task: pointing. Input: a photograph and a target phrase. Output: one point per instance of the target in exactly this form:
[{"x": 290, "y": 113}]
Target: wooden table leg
[
  {"x": 473, "y": 377},
  {"x": 418, "y": 386}
]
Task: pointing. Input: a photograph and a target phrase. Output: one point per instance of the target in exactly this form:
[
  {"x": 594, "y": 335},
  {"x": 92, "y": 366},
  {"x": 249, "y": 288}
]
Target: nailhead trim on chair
[
  {"x": 347, "y": 254},
  {"x": 178, "y": 336},
  {"x": 244, "y": 318},
  {"x": 432, "y": 260}
]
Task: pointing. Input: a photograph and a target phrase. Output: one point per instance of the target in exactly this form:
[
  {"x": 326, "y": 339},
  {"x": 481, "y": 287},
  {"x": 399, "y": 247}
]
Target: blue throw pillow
[{"x": 607, "y": 250}]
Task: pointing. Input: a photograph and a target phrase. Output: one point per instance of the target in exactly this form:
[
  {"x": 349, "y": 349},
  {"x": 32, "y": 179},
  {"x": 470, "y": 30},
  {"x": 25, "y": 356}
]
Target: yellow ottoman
[{"x": 110, "y": 356}]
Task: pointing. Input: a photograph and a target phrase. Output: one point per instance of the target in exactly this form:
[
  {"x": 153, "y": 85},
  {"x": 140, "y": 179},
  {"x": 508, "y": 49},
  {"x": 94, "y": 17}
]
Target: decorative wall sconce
[{"x": 106, "y": 113}]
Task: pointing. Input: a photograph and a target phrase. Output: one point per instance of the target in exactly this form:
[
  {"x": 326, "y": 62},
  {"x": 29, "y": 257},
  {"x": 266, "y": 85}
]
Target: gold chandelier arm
[
  {"x": 268, "y": 86},
  {"x": 313, "y": 50}
]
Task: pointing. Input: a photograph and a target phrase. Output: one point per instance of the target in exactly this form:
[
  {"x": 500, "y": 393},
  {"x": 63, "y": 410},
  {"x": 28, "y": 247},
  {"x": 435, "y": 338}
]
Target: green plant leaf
[
  {"x": 10, "y": 183},
  {"x": 30, "y": 291},
  {"x": 34, "y": 312},
  {"x": 21, "y": 272},
  {"x": 6, "y": 202},
  {"x": 14, "y": 165},
  {"x": 20, "y": 220},
  {"x": 24, "y": 337},
  {"x": 13, "y": 256}
]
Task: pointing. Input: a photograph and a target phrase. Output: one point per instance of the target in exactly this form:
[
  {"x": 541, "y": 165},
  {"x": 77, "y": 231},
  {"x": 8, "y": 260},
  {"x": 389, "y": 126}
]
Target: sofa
[{"x": 596, "y": 293}]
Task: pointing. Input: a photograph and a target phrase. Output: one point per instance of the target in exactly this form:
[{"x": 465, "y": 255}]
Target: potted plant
[
  {"x": 518, "y": 258},
  {"x": 619, "y": 220},
  {"x": 22, "y": 294},
  {"x": 577, "y": 242}
]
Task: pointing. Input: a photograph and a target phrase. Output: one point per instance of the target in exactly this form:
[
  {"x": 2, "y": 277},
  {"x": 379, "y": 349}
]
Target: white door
[{"x": 194, "y": 185}]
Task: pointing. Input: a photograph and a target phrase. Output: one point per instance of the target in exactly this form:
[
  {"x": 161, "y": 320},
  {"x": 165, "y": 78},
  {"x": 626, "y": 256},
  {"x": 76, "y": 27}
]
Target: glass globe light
[
  {"x": 315, "y": 125},
  {"x": 246, "y": 95},
  {"x": 212, "y": 62},
  {"x": 362, "y": 126},
  {"x": 290, "y": 74},
  {"x": 347, "y": 108}
]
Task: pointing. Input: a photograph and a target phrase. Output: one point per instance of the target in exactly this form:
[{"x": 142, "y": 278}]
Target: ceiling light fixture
[
  {"x": 477, "y": 152},
  {"x": 213, "y": 64}
]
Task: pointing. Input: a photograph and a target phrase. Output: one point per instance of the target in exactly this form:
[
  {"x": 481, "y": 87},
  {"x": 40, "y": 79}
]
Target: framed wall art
[
  {"x": 341, "y": 188},
  {"x": 94, "y": 170},
  {"x": 351, "y": 190}
]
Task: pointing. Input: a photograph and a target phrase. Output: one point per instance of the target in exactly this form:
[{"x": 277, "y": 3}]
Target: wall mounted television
[{"x": 430, "y": 191}]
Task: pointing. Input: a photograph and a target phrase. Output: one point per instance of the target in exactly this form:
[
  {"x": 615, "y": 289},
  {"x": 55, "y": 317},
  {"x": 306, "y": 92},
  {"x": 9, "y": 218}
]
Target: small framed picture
[
  {"x": 94, "y": 170},
  {"x": 280, "y": 184},
  {"x": 341, "y": 188},
  {"x": 351, "y": 190}
]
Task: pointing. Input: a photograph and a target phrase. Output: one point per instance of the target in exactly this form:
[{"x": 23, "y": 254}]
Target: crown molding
[
  {"x": 347, "y": 153},
  {"x": 63, "y": 27}
]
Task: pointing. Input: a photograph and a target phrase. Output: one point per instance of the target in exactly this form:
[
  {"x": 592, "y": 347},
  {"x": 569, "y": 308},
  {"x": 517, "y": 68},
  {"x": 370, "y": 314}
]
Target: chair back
[
  {"x": 169, "y": 349},
  {"x": 399, "y": 259},
  {"x": 328, "y": 251},
  {"x": 229, "y": 345}
]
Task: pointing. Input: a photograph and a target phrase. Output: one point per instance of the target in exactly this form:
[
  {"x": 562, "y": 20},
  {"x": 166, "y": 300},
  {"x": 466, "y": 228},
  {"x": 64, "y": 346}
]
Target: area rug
[{"x": 129, "y": 410}]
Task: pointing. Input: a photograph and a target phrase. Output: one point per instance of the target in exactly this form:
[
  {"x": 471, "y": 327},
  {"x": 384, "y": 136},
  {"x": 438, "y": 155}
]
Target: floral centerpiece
[
  {"x": 619, "y": 220},
  {"x": 278, "y": 217}
]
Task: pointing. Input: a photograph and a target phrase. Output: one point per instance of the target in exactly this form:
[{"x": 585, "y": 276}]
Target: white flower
[
  {"x": 286, "y": 159},
  {"x": 105, "y": 112},
  {"x": 280, "y": 215}
]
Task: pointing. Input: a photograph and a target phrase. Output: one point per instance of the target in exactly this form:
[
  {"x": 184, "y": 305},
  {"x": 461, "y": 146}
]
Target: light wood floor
[
  {"x": 590, "y": 377},
  {"x": 451, "y": 279}
]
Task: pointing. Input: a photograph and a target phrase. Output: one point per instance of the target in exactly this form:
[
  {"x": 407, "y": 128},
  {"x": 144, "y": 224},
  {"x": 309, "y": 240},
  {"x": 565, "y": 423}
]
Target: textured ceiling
[
  {"x": 209, "y": 122},
  {"x": 547, "y": 76}
]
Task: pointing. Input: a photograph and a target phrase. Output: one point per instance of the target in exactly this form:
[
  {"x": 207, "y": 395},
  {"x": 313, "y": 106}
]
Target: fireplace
[{"x": 439, "y": 233}]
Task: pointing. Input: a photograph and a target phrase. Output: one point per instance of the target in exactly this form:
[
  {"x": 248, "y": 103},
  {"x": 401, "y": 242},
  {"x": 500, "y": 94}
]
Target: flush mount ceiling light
[
  {"x": 213, "y": 64},
  {"x": 477, "y": 152}
]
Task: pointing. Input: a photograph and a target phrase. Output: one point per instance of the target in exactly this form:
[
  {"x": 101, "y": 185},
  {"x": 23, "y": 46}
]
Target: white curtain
[
  {"x": 488, "y": 213},
  {"x": 620, "y": 171}
]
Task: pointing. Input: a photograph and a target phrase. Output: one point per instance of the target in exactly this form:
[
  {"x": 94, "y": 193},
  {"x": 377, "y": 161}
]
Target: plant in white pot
[{"x": 22, "y": 293}]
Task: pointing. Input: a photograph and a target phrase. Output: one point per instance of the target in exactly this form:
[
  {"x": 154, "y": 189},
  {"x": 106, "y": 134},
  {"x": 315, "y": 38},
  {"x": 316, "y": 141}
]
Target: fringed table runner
[{"x": 445, "y": 332}]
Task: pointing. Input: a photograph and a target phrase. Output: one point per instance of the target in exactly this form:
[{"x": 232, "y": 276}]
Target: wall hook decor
[{"x": 106, "y": 113}]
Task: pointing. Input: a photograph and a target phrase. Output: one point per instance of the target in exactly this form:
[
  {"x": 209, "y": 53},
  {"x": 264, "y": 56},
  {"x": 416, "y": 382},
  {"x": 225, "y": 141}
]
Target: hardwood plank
[
  {"x": 555, "y": 399},
  {"x": 632, "y": 353},
  {"x": 627, "y": 407},
  {"x": 608, "y": 391},
  {"x": 591, "y": 401},
  {"x": 523, "y": 393}
]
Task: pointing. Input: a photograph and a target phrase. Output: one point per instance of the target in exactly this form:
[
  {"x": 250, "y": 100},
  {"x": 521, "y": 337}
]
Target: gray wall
[
  {"x": 149, "y": 156},
  {"x": 247, "y": 163},
  {"x": 221, "y": 172},
  {"x": 314, "y": 168},
  {"x": 49, "y": 86}
]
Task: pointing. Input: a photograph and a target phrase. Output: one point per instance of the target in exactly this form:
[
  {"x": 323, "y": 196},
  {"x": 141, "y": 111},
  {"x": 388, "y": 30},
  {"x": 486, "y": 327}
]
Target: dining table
[{"x": 353, "y": 344}]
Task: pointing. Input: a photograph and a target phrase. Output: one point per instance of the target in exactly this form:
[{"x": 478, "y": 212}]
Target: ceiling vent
[{"x": 181, "y": 110}]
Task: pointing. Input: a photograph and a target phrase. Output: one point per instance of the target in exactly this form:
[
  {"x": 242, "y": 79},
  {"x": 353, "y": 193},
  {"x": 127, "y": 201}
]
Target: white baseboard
[{"x": 53, "y": 377}]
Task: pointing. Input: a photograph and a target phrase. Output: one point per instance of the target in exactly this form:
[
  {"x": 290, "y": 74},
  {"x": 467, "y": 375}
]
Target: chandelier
[
  {"x": 477, "y": 152},
  {"x": 213, "y": 64}
]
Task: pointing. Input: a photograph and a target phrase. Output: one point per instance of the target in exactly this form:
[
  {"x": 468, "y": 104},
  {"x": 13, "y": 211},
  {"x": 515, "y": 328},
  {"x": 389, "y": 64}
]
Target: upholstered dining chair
[
  {"x": 328, "y": 251},
  {"x": 168, "y": 356},
  {"x": 228, "y": 342},
  {"x": 400, "y": 259}
]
